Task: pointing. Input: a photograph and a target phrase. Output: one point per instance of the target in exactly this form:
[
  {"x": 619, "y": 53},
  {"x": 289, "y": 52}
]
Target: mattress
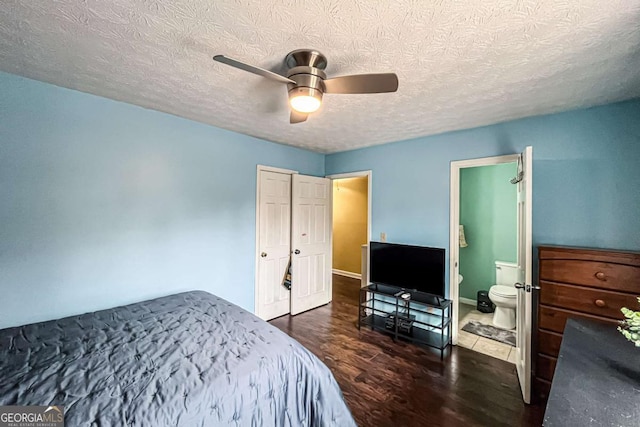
[{"x": 190, "y": 359}]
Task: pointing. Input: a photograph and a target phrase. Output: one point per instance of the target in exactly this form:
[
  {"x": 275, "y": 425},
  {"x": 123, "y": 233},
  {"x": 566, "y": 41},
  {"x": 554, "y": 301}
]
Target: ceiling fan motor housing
[
  {"x": 306, "y": 69},
  {"x": 309, "y": 82},
  {"x": 306, "y": 57}
]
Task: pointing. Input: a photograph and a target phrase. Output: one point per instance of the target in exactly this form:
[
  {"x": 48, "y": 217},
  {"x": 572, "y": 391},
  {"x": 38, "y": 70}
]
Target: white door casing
[
  {"x": 274, "y": 243},
  {"x": 310, "y": 243},
  {"x": 454, "y": 230},
  {"x": 524, "y": 306},
  {"x": 364, "y": 271}
]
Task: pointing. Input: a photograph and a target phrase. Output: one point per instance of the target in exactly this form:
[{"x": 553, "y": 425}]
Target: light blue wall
[
  {"x": 586, "y": 177},
  {"x": 104, "y": 203}
]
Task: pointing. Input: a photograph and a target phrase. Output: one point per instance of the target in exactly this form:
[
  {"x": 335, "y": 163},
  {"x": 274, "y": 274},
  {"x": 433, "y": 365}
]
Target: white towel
[{"x": 463, "y": 241}]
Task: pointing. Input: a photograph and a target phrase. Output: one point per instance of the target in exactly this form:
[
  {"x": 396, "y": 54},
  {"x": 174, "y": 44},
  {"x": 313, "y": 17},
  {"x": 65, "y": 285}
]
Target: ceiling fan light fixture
[
  {"x": 305, "y": 99},
  {"x": 307, "y": 82}
]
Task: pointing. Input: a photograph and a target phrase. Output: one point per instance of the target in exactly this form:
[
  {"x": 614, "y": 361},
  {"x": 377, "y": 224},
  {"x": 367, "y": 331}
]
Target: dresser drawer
[
  {"x": 545, "y": 367},
  {"x": 549, "y": 342},
  {"x": 554, "y": 319},
  {"x": 542, "y": 388},
  {"x": 588, "y": 300},
  {"x": 605, "y": 275}
]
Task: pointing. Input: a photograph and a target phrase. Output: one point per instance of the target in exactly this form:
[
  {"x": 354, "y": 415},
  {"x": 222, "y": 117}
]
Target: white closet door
[
  {"x": 274, "y": 244},
  {"x": 310, "y": 243}
]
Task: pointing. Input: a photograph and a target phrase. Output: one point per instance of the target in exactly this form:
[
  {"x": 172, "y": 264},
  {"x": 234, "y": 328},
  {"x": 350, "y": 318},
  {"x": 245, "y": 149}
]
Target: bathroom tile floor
[{"x": 480, "y": 344}]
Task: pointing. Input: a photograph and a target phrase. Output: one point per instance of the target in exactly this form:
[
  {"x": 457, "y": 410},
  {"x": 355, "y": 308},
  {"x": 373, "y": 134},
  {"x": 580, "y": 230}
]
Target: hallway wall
[{"x": 350, "y": 205}]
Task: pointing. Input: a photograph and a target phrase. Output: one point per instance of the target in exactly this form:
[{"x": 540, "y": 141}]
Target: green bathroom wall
[{"x": 488, "y": 212}]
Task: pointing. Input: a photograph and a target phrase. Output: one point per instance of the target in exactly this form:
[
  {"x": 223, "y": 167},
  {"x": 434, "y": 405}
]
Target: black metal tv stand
[{"x": 417, "y": 317}]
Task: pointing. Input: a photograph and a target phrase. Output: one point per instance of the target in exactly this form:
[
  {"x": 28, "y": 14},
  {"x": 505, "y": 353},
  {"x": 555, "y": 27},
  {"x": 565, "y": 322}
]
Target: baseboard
[
  {"x": 468, "y": 301},
  {"x": 347, "y": 274}
]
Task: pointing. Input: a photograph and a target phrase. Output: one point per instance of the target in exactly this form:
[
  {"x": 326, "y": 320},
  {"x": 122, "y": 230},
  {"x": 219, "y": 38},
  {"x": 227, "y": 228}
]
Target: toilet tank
[{"x": 506, "y": 273}]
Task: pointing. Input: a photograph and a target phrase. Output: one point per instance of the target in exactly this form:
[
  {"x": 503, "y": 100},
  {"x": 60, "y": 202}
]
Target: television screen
[{"x": 410, "y": 267}]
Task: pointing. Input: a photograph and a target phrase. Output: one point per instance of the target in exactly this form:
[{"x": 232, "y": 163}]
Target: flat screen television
[{"x": 410, "y": 267}]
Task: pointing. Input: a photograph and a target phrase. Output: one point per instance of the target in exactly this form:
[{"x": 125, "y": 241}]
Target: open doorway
[
  {"x": 518, "y": 276},
  {"x": 488, "y": 259},
  {"x": 351, "y": 225}
]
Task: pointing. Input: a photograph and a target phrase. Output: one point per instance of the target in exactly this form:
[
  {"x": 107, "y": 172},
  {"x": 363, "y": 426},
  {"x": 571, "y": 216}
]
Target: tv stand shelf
[{"x": 422, "y": 318}]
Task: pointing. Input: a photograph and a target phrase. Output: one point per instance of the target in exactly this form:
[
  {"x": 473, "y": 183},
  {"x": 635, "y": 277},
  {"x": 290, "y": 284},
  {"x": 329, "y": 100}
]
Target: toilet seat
[{"x": 504, "y": 291}]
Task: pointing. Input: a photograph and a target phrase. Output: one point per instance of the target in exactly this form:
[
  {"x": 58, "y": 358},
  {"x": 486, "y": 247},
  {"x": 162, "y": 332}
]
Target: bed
[{"x": 190, "y": 359}]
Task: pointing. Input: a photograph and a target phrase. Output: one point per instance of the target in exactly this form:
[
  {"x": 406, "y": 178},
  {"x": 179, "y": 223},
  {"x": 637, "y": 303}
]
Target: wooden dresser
[{"x": 580, "y": 283}]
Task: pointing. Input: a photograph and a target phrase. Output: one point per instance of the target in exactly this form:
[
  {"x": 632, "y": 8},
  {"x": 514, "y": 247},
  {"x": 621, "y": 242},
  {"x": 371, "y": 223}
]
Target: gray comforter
[{"x": 190, "y": 359}]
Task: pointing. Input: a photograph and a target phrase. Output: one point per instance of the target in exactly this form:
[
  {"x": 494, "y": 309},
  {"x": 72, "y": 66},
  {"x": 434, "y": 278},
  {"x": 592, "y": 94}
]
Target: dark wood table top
[{"x": 597, "y": 378}]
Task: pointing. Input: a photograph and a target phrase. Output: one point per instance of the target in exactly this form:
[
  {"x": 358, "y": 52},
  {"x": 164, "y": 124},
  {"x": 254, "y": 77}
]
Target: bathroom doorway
[{"x": 487, "y": 255}]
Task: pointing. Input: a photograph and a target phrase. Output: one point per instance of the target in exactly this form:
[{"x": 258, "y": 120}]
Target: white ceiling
[{"x": 461, "y": 64}]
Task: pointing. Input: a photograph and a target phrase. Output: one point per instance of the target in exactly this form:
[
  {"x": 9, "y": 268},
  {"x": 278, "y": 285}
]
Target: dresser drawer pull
[
  {"x": 600, "y": 275},
  {"x": 600, "y": 303}
]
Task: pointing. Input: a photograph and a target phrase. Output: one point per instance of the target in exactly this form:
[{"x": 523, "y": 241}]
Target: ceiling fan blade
[
  {"x": 252, "y": 69},
  {"x": 297, "y": 117},
  {"x": 362, "y": 83}
]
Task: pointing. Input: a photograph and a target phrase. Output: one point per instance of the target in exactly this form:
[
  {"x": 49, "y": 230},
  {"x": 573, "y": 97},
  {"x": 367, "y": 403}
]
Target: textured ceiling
[{"x": 461, "y": 64}]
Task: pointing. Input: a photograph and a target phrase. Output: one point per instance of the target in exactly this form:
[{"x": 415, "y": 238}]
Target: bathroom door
[{"x": 524, "y": 285}]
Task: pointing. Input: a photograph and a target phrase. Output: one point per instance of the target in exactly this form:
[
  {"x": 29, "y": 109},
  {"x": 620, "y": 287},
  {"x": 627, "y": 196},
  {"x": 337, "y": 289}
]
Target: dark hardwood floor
[{"x": 388, "y": 383}]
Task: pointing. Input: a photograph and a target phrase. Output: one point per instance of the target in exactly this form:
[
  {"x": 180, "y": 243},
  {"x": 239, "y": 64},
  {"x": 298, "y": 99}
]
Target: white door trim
[
  {"x": 369, "y": 175},
  {"x": 454, "y": 221},
  {"x": 275, "y": 169},
  {"x": 259, "y": 169}
]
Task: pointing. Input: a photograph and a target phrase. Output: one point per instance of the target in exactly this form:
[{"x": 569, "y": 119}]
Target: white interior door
[
  {"x": 525, "y": 305},
  {"x": 274, "y": 244},
  {"x": 310, "y": 243}
]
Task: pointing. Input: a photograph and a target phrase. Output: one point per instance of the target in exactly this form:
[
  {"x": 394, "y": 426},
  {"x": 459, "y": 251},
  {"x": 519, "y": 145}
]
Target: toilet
[{"x": 503, "y": 294}]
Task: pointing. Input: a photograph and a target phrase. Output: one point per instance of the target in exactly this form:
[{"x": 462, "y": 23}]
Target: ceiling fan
[{"x": 307, "y": 82}]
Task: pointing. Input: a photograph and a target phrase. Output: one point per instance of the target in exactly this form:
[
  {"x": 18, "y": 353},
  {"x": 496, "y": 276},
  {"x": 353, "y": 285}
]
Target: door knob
[
  {"x": 527, "y": 288},
  {"x": 263, "y": 254},
  {"x": 297, "y": 251}
]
